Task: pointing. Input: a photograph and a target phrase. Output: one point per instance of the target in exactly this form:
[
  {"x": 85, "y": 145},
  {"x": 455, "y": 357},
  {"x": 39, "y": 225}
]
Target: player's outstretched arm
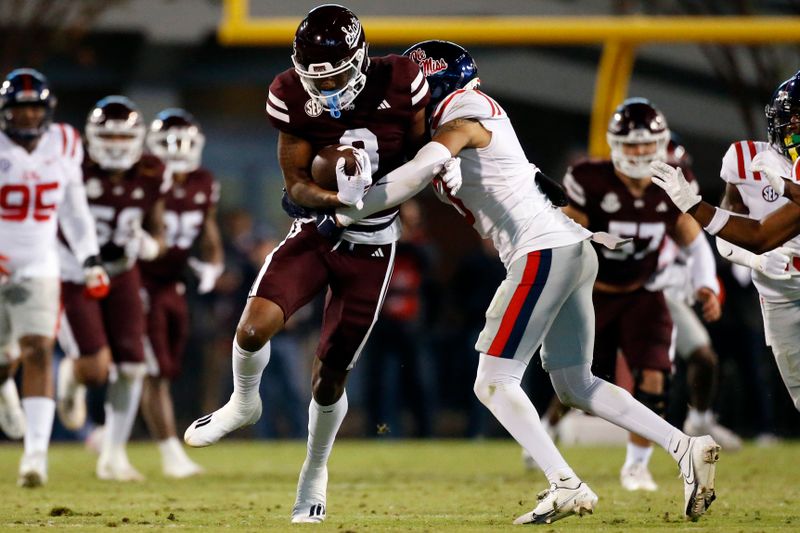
[
  {"x": 76, "y": 221},
  {"x": 408, "y": 180},
  {"x": 758, "y": 236},
  {"x": 294, "y": 157}
]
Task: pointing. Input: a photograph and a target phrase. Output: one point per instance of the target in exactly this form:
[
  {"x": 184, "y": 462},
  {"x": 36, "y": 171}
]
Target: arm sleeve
[
  {"x": 400, "y": 184},
  {"x": 735, "y": 254},
  {"x": 703, "y": 271},
  {"x": 75, "y": 219}
]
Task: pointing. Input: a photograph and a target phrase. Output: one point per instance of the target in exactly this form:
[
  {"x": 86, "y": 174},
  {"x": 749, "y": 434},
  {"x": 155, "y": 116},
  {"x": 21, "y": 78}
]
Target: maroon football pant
[
  {"x": 636, "y": 323},
  {"x": 116, "y": 321},
  {"x": 167, "y": 325},
  {"x": 356, "y": 275}
]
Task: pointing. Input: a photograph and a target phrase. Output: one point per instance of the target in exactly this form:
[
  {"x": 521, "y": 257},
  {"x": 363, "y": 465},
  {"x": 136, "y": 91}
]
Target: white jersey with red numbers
[
  {"x": 499, "y": 196},
  {"x": 761, "y": 200},
  {"x": 39, "y": 190}
]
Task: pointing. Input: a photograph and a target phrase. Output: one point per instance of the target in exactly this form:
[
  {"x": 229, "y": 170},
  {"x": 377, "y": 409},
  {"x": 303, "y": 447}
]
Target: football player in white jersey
[
  {"x": 40, "y": 189},
  {"x": 753, "y": 172},
  {"x": 546, "y": 298}
]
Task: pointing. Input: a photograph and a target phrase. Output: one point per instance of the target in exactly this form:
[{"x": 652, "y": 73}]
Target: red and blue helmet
[
  {"x": 25, "y": 86},
  {"x": 447, "y": 67},
  {"x": 783, "y": 118}
]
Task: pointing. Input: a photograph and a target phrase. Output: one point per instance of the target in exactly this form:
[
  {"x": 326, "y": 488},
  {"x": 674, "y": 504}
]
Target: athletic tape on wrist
[{"x": 718, "y": 221}]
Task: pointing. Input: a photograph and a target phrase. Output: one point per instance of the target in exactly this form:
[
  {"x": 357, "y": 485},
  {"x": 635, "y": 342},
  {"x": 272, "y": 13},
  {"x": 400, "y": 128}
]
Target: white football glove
[
  {"x": 675, "y": 185},
  {"x": 207, "y": 274},
  {"x": 773, "y": 174},
  {"x": 96, "y": 280},
  {"x": 450, "y": 176},
  {"x": 353, "y": 188},
  {"x": 775, "y": 263},
  {"x": 141, "y": 245}
]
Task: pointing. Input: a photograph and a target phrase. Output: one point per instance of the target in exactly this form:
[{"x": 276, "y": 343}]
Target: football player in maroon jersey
[
  {"x": 191, "y": 219},
  {"x": 335, "y": 94},
  {"x": 617, "y": 196},
  {"x": 103, "y": 338}
]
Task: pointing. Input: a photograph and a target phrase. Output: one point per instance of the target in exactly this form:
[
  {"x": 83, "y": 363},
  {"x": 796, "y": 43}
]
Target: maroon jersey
[
  {"x": 377, "y": 121},
  {"x": 186, "y": 206},
  {"x": 596, "y": 190},
  {"x": 118, "y": 207}
]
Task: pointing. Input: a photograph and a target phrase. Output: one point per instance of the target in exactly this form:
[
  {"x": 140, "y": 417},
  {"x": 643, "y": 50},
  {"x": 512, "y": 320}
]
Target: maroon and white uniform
[
  {"x": 636, "y": 322},
  {"x": 118, "y": 209},
  {"x": 186, "y": 207},
  {"x": 357, "y": 269}
]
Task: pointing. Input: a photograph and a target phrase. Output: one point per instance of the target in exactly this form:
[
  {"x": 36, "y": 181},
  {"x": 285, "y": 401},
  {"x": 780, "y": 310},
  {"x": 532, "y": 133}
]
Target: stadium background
[{"x": 166, "y": 53}]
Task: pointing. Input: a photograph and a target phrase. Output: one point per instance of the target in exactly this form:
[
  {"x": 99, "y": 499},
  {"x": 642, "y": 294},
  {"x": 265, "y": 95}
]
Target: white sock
[
  {"x": 247, "y": 370},
  {"x": 637, "y": 454},
  {"x": 576, "y": 386},
  {"x": 497, "y": 386},
  {"x": 323, "y": 424},
  {"x": 39, "y": 412},
  {"x": 700, "y": 418},
  {"x": 122, "y": 404},
  {"x": 171, "y": 450}
]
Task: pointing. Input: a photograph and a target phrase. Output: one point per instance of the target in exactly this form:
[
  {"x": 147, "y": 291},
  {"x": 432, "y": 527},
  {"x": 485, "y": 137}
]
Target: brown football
[{"x": 323, "y": 167}]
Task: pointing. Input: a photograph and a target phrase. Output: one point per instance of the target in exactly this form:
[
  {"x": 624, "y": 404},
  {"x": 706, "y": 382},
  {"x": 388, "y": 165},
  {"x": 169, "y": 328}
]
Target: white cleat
[
  {"x": 70, "y": 397},
  {"x": 637, "y": 477},
  {"x": 312, "y": 488},
  {"x": 726, "y": 438},
  {"x": 12, "y": 418},
  {"x": 698, "y": 468},
  {"x": 559, "y": 502},
  {"x": 208, "y": 429},
  {"x": 33, "y": 470},
  {"x": 114, "y": 465},
  {"x": 182, "y": 469}
]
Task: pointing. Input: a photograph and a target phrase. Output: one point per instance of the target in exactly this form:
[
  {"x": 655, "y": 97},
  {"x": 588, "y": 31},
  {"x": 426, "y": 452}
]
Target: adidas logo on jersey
[
  {"x": 384, "y": 105},
  {"x": 378, "y": 253}
]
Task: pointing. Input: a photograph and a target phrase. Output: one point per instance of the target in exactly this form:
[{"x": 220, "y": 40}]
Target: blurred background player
[
  {"x": 190, "y": 219},
  {"x": 692, "y": 342},
  {"x": 752, "y": 172},
  {"x": 616, "y": 196},
  {"x": 545, "y": 299},
  {"x": 334, "y": 94},
  {"x": 40, "y": 184},
  {"x": 103, "y": 340}
]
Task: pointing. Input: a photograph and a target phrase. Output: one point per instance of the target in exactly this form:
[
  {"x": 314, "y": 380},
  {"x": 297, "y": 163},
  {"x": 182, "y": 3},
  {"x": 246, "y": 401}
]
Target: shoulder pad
[
  {"x": 466, "y": 103},
  {"x": 736, "y": 162}
]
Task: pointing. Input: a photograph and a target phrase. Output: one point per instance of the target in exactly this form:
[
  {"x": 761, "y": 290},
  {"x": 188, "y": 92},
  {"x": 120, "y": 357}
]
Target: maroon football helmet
[
  {"x": 175, "y": 137},
  {"x": 330, "y": 56},
  {"x": 115, "y": 133},
  {"x": 637, "y": 122}
]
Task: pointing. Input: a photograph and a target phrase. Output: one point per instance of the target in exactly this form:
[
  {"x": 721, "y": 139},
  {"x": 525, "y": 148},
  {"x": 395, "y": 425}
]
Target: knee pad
[
  {"x": 655, "y": 402},
  {"x": 494, "y": 372}
]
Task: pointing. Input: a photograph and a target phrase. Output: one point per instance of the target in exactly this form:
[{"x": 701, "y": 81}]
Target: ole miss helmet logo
[{"x": 427, "y": 65}]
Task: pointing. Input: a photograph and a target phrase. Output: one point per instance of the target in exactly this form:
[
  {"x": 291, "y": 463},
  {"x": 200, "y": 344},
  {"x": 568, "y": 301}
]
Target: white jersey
[
  {"x": 499, "y": 196},
  {"x": 760, "y": 200},
  {"x": 37, "y": 191}
]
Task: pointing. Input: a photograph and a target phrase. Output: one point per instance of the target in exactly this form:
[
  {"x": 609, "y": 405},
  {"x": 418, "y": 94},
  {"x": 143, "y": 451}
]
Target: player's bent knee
[
  {"x": 261, "y": 319},
  {"x": 704, "y": 357},
  {"x": 36, "y": 350},
  {"x": 93, "y": 370}
]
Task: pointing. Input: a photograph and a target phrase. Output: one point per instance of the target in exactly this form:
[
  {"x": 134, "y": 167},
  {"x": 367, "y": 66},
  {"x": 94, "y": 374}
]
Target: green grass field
[{"x": 391, "y": 486}]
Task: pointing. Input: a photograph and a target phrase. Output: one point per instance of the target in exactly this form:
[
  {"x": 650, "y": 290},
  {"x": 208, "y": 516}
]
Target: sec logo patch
[{"x": 769, "y": 194}]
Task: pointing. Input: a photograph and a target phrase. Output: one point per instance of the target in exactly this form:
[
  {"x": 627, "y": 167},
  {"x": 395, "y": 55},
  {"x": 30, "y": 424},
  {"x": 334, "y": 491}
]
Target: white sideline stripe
[
  {"x": 277, "y": 101},
  {"x": 293, "y": 231},
  {"x": 420, "y": 94},
  {"x": 277, "y": 114},
  {"x": 415, "y": 84},
  {"x": 384, "y": 290}
]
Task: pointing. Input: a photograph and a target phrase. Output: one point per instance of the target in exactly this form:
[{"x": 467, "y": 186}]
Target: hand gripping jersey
[
  {"x": 761, "y": 200},
  {"x": 185, "y": 209},
  {"x": 118, "y": 208},
  {"x": 499, "y": 196},
  {"x": 595, "y": 189},
  {"x": 377, "y": 122},
  {"x": 37, "y": 191}
]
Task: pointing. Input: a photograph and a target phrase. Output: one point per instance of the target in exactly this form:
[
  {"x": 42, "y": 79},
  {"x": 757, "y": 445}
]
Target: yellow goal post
[{"x": 619, "y": 35}]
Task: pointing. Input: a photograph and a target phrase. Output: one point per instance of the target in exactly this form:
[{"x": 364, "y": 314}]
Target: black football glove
[
  {"x": 552, "y": 189},
  {"x": 327, "y": 226}
]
